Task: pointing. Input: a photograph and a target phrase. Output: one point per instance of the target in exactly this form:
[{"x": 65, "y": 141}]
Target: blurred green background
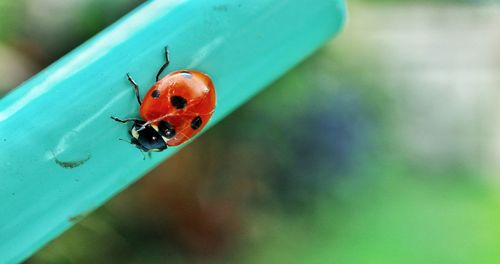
[{"x": 382, "y": 147}]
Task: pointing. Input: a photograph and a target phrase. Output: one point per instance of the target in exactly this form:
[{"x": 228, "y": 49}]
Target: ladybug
[{"x": 174, "y": 109}]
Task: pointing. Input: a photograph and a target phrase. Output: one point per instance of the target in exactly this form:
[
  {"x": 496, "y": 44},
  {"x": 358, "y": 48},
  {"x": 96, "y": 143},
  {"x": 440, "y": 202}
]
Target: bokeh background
[{"x": 382, "y": 147}]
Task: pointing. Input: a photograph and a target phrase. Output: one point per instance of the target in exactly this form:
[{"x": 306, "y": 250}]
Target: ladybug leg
[
  {"x": 139, "y": 123},
  {"x": 125, "y": 120},
  {"x": 136, "y": 88},
  {"x": 164, "y": 65}
]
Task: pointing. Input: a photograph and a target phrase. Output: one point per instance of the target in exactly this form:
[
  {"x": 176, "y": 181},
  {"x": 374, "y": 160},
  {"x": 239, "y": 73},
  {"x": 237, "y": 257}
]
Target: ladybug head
[{"x": 151, "y": 138}]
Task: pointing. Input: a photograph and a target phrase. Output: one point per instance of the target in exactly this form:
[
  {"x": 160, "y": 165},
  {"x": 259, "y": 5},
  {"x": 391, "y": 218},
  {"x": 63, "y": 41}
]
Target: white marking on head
[{"x": 134, "y": 133}]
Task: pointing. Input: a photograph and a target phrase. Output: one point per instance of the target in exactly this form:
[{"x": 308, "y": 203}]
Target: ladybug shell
[{"x": 185, "y": 99}]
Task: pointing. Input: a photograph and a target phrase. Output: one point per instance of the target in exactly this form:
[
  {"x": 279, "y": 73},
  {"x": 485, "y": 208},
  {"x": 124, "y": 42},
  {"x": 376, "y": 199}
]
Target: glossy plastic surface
[{"x": 60, "y": 153}]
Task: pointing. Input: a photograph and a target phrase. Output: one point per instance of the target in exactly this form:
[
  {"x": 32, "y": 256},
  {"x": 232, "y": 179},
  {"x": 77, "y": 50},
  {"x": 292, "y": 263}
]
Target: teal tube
[{"x": 61, "y": 157}]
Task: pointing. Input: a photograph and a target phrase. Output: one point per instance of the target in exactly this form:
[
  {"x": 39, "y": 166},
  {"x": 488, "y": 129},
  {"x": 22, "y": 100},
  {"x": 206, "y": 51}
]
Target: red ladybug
[{"x": 174, "y": 109}]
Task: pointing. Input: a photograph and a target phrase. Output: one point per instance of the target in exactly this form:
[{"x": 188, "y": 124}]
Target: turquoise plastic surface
[{"x": 61, "y": 157}]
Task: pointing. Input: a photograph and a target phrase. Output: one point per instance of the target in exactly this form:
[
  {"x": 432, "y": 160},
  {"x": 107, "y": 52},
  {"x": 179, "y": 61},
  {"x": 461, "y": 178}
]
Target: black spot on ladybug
[
  {"x": 178, "y": 101},
  {"x": 155, "y": 94},
  {"x": 186, "y": 74},
  {"x": 196, "y": 123},
  {"x": 166, "y": 129}
]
